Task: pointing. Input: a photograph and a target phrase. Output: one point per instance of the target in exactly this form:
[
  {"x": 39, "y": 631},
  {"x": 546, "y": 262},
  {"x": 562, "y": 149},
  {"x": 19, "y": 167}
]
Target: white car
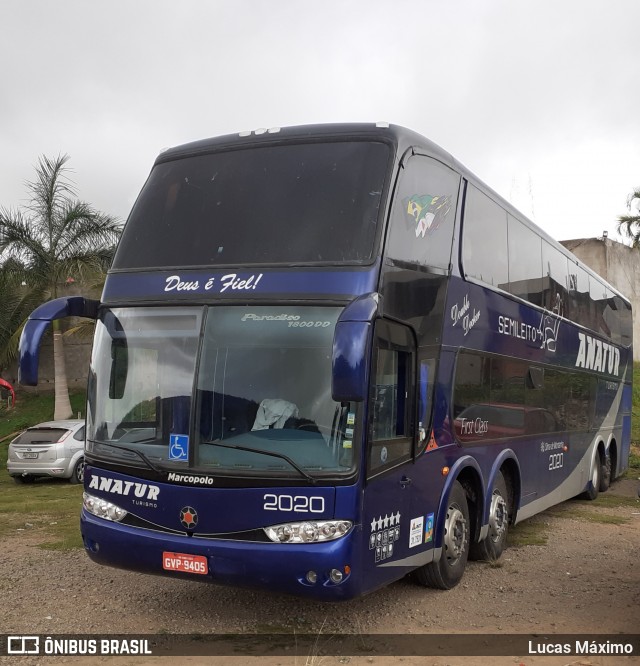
[{"x": 54, "y": 448}]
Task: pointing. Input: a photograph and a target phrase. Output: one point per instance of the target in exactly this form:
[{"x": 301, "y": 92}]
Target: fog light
[
  {"x": 335, "y": 576},
  {"x": 312, "y": 577}
]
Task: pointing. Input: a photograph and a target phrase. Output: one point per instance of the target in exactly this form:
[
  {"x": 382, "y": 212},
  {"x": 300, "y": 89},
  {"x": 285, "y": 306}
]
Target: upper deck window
[
  {"x": 484, "y": 245},
  {"x": 423, "y": 214},
  {"x": 272, "y": 204}
]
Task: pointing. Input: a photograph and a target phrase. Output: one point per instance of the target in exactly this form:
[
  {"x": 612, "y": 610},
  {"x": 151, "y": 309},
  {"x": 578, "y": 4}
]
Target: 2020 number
[
  {"x": 556, "y": 460},
  {"x": 295, "y": 503}
]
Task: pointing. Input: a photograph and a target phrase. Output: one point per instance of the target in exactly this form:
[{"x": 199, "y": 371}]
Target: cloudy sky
[{"x": 540, "y": 98}]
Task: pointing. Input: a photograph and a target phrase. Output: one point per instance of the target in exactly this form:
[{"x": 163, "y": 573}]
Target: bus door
[{"x": 389, "y": 454}]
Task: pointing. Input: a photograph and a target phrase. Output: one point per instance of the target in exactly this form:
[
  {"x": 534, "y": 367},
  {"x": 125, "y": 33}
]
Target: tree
[
  {"x": 54, "y": 238},
  {"x": 18, "y": 302},
  {"x": 629, "y": 225}
]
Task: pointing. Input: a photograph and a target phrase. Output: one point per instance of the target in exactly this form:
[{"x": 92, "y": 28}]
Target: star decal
[{"x": 389, "y": 520}]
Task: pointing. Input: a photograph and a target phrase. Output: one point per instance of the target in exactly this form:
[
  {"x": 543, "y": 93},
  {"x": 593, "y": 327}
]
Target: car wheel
[{"x": 78, "y": 472}]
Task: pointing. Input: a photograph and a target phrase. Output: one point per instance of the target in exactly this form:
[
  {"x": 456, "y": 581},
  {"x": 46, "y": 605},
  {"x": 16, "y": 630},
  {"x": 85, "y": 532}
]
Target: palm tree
[
  {"x": 629, "y": 225},
  {"x": 18, "y": 302},
  {"x": 56, "y": 237}
]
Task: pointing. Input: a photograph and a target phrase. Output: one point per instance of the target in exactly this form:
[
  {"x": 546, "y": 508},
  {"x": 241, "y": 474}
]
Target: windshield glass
[
  {"x": 141, "y": 380},
  {"x": 262, "y": 405},
  {"x": 294, "y": 203}
]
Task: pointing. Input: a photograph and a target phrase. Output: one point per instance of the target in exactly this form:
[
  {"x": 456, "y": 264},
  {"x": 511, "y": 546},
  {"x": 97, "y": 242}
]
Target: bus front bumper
[{"x": 286, "y": 568}]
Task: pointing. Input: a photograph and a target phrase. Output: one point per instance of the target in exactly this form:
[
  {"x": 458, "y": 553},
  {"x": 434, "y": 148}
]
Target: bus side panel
[{"x": 574, "y": 380}]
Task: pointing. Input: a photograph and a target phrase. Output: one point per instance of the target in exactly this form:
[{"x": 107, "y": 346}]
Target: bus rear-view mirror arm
[
  {"x": 351, "y": 347},
  {"x": 36, "y": 326}
]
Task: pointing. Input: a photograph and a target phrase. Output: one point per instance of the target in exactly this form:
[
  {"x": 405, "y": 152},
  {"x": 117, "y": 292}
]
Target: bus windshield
[
  {"x": 273, "y": 204},
  {"x": 262, "y": 403}
]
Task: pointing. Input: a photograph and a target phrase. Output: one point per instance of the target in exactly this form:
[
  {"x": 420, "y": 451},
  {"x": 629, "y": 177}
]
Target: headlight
[
  {"x": 102, "y": 508},
  {"x": 308, "y": 532}
]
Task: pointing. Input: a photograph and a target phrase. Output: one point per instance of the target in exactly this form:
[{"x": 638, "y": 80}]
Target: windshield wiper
[
  {"x": 141, "y": 455},
  {"x": 273, "y": 454}
]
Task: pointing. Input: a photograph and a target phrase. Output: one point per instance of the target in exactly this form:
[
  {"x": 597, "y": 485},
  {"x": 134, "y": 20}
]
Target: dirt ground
[{"x": 585, "y": 579}]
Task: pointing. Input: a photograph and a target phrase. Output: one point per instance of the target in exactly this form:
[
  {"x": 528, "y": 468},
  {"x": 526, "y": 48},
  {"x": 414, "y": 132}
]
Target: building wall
[
  {"x": 77, "y": 353},
  {"x": 619, "y": 265}
]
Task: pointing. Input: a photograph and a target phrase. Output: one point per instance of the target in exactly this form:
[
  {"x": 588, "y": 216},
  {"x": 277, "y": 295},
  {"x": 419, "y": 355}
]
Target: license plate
[
  {"x": 29, "y": 456},
  {"x": 195, "y": 564}
]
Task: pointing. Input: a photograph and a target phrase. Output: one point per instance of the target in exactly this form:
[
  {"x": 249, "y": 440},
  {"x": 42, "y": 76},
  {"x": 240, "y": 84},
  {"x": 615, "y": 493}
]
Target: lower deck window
[{"x": 498, "y": 397}]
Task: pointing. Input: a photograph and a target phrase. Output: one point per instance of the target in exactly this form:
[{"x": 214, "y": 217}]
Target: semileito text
[{"x": 518, "y": 329}]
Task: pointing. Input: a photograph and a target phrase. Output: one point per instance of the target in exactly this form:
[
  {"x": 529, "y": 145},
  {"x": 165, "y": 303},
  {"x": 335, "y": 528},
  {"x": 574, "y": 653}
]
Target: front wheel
[
  {"x": 491, "y": 547},
  {"x": 448, "y": 570}
]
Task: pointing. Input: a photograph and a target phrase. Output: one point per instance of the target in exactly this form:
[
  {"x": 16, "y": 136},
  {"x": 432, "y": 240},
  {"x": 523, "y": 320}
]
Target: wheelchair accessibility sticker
[{"x": 179, "y": 447}]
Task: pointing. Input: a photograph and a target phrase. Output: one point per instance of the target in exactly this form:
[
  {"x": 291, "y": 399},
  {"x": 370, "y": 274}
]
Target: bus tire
[
  {"x": 491, "y": 547},
  {"x": 448, "y": 570},
  {"x": 593, "y": 487},
  {"x": 605, "y": 473}
]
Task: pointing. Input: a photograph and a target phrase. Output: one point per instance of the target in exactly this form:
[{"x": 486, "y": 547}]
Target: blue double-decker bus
[{"x": 329, "y": 356}]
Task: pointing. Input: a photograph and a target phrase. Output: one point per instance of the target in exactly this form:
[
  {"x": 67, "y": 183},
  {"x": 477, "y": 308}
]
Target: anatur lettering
[
  {"x": 119, "y": 487},
  {"x": 597, "y": 355}
]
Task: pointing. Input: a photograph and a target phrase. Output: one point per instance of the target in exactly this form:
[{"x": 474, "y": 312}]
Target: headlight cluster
[
  {"x": 308, "y": 532},
  {"x": 102, "y": 508}
]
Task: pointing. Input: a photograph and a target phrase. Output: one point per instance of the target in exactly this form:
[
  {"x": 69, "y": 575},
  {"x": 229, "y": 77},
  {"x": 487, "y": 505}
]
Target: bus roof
[{"x": 402, "y": 140}]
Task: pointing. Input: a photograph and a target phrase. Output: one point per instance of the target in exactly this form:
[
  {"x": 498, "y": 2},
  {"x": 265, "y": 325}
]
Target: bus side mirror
[
  {"x": 351, "y": 347},
  {"x": 36, "y": 327}
]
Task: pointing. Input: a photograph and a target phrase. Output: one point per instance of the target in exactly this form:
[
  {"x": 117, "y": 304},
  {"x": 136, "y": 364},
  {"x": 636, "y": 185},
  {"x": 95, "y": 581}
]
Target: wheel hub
[
  {"x": 455, "y": 534},
  {"x": 498, "y": 517}
]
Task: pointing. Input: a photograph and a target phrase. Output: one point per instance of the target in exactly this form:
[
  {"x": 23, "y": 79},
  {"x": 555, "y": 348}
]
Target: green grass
[
  {"x": 633, "y": 472},
  {"x": 48, "y": 508},
  {"x": 635, "y": 409},
  {"x": 530, "y": 532},
  {"x": 610, "y": 501},
  {"x": 578, "y": 511}
]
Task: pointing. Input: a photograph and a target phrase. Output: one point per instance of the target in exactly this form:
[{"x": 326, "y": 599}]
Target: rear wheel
[
  {"x": 605, "y": 473},
  {"x": 491, "y": 547},
  {"x": 77, "y": 475},
  {"x": 448, "y": 570},
  {"x": 593, "y": 488}
]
